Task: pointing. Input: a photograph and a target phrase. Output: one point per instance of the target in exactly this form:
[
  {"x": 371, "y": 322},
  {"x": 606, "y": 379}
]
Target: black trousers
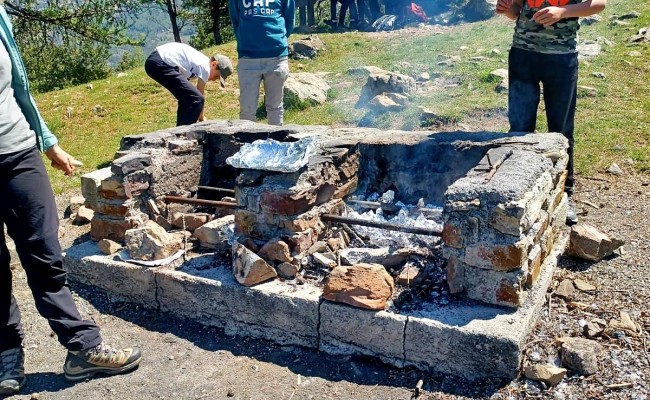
[
  {"x": 190, "y": 100},
  {"x": 558, "y": 73},
  {"x": 28, "y": 210}
]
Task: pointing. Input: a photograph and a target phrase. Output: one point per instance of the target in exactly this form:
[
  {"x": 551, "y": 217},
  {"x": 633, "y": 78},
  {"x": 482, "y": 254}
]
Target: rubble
[
  {"x": 589, "y": 243},
  {"x": 581, "y": 355}
]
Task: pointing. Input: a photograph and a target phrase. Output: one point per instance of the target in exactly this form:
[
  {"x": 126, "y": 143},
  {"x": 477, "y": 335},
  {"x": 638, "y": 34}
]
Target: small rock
[
  {"x": 614, "y": 169},
  {"x": 409, "y": 275},
  {"x": 84, "y": 215},
  {"x": 587, "y": 91},
  {"x": 595, "y": 328},
  {"x": 189, "y": 221},
  {"x": 75, "y": 203},
  {"x": 122, "y": 74},
  {"x": 625, "y": 323},
  {"x": 630, "y": 15},
  {"x": 634, "y": 53},
  {"x": 324, "y": 261},
  {"x": 581, "y": 355},
  {"x": 275, "y": 250},
  {"x": 589, "y": 243},
  {"x": 248, "y": 268},
  {"x": 231, "y": 393},
  {"x": 598, "y": 75},
  {"x": 108, "y": 246},
  {"x": 565, "y": 289},
  {"x": 318, "y": 247},
  {"x": 584, "y": 286},
  {"x": 545, "y": 373},
  {"x": 423, "y": 77},
  {"x": 287, "y": 270}
]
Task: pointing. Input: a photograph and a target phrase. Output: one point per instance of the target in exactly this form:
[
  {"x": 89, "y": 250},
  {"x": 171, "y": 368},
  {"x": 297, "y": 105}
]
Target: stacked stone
[
  {"x": 288, "y": 206},
  {"x": 501, "y": 221},
  {"x": 124, "y": 194}
]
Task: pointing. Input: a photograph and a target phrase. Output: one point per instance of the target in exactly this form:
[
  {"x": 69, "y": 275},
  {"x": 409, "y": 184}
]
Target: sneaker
[
  {"x": 103, "y": 359},
  {"x": 571, "y": 214},
  {"x": 13, "y": 370}
]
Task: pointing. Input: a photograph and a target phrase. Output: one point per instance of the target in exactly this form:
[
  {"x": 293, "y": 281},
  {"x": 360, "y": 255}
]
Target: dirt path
[{"x": 184, "y": 360}]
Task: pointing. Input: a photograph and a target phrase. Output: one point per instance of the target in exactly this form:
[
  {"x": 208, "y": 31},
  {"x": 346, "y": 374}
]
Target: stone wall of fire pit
[{"x": 503, "y": 196}]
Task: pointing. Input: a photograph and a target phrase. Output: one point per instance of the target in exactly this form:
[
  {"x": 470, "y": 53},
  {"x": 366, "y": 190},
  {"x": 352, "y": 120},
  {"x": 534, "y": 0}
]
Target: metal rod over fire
[
  {"x": 381, "y": 225},
  {"x": 325, "y": 217}
]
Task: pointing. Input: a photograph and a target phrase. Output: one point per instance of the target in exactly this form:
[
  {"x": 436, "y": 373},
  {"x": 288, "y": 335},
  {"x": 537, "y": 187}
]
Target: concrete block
[
  {"x": 272, "y": 310},
  {"x": 86, "y": 264},
  {"x": 92, "y": 181},
  {"x": 348, "y": 330}
]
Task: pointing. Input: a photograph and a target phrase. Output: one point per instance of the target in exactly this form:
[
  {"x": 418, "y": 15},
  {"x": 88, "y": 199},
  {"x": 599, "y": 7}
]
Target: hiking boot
[
  {"x": 571, "y": 213},
  {"x": 13, "y": 370},
  {"x": 103, "y": 359}
]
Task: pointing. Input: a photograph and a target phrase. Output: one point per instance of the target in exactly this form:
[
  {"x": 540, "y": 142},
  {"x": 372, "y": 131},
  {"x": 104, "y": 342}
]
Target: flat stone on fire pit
[
  {"x": 214, "y": 234},
  {"x": 363, "y": 285},
  {"x": 151, "y": 242},
  {"x": 249, "y": 269},
  {"x": 189, "y": 221},
  {"x": 275, "y": 250}
]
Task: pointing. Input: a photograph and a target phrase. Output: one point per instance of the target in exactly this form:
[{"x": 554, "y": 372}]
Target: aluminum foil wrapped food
[{"x": 271, "y": 155}]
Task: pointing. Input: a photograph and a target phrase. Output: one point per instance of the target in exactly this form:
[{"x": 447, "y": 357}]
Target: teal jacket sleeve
[{"x": 233, "y": 9}]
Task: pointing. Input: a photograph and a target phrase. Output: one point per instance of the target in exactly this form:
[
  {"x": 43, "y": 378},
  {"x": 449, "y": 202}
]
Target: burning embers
[{"x": 281, "y": 207}]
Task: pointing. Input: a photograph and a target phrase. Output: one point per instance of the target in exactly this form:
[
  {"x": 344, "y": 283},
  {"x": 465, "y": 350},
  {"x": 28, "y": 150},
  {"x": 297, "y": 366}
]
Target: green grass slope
[{"x": 613, "y": 126}]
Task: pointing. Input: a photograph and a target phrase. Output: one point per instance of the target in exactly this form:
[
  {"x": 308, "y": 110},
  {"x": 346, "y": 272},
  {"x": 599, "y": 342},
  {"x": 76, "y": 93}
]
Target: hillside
[{"x": 612, "y": 122}]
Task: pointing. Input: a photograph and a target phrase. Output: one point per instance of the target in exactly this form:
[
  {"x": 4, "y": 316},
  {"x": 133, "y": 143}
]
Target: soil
[{"x": 184, "y": 360}]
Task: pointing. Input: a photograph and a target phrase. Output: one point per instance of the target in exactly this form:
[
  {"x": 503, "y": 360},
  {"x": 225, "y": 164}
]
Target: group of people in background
[{"x": 543, "y": 52}]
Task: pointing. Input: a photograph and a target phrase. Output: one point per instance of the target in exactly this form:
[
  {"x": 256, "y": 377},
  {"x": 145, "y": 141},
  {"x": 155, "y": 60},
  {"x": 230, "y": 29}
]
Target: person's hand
[
  {"x": 202, "y": 118},
  {"x": 62, "y": 160},
  {"x": 549, "y": 15},
  {"x": 503, "y": 6}
]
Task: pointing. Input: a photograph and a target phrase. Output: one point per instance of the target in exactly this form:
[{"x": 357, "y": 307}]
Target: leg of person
[
  {"x": 12, "y": 356},
  {"x": 311, "y": 12},
  {"x": 250, "y": 77},
  {"x": 333, "y": 19},
  {"x": 364, "y": 15},
  {"x": 190, "y": 100},
  {"x": 343, "y": 13},
  {"x": 354, "y": 13},
  {"x": 375, "y": 9},
  {"x": 524, "y": 91},
  {"x": 560, "y": 81},
  {"x": 30, "y": 213},
  {"x": 276, "y": 72}
]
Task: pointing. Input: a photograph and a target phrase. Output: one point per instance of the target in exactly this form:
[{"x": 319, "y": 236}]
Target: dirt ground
[{"x": 183, "y": 360}]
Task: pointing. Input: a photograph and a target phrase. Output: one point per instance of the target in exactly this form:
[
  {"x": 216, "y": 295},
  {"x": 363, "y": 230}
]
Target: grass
[{"x": 613, "y": 126}]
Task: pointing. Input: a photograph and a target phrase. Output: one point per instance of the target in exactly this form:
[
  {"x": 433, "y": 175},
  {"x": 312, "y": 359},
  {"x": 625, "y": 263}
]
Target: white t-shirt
[{"x": 190, "y": 62}]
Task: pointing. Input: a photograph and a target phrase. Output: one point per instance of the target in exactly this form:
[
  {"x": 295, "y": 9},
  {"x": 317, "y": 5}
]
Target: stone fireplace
[{"x": 503, "y": 213}]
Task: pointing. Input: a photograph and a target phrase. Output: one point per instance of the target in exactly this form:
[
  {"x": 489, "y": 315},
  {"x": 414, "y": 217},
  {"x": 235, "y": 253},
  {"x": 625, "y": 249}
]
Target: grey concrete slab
[
  {"x": 347, "y": 330},
  {"x": 87, "y": 265},
  {"x": 282, "y": 313},
  {"x": 466, "y": 339},
  {"x": 475, "y": 340}
]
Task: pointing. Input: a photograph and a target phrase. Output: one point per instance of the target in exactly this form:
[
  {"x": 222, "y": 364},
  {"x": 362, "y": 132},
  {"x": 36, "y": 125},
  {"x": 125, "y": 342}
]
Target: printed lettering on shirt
[{"x": 258, "y": 7}]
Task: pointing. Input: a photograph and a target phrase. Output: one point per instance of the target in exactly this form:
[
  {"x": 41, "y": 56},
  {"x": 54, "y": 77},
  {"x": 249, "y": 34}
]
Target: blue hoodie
[{"x": 262, "y": 27}]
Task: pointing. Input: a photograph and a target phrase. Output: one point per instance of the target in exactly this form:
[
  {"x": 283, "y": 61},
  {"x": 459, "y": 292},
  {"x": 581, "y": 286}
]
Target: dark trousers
[
  {"x": 369, "y": 9},
  {"x": 354, "y": 14},
  {"x": 559, "y": 75},
  {"x": 190, "y": 100},
  {"x": 28, "y": 210}
]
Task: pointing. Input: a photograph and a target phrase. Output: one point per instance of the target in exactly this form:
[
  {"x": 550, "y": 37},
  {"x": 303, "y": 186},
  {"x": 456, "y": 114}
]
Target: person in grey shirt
[{"x": 28, "y": 210}]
